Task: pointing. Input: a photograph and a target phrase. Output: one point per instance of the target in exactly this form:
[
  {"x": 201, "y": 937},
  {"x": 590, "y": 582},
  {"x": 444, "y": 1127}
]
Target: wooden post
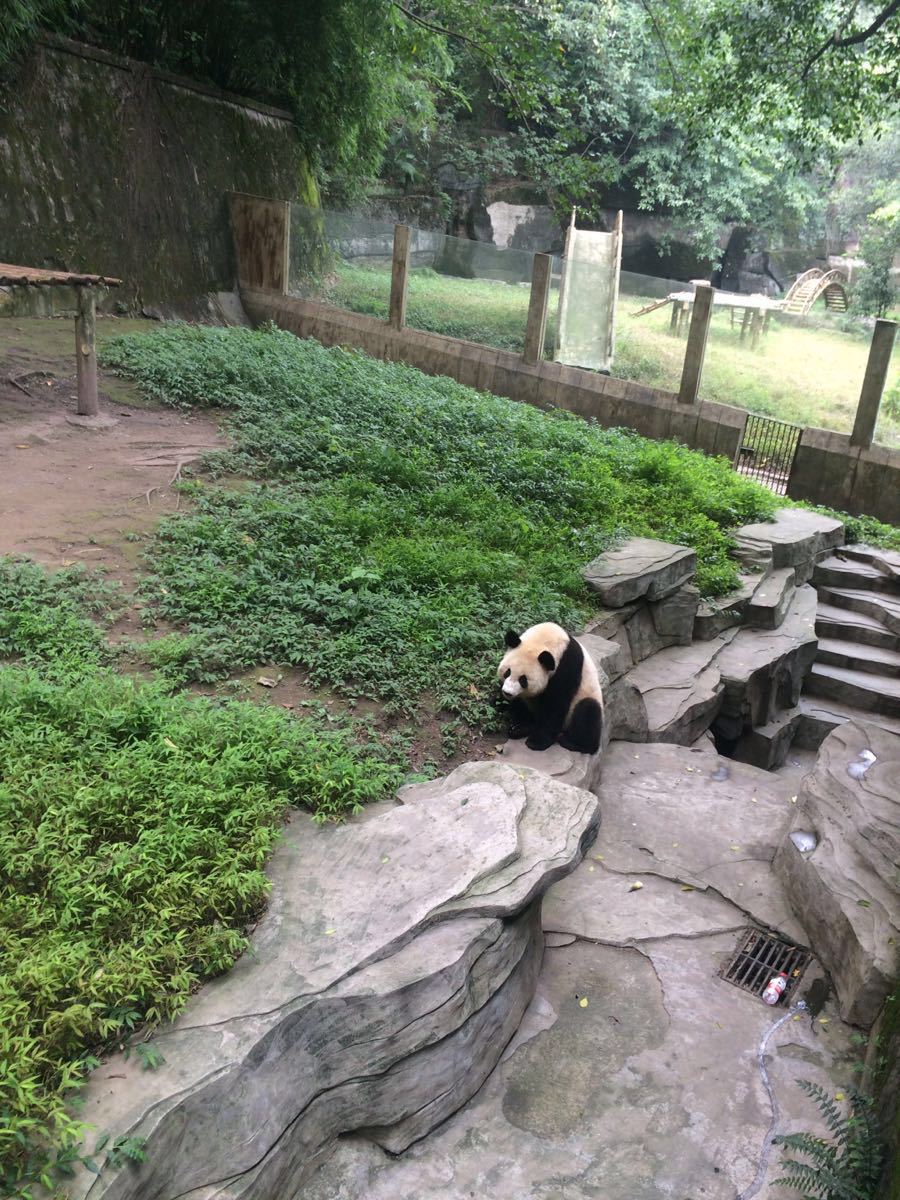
[
  {"x": 399, "y": 276},
  {"x": 536, "y": 324},
  {"x": 617, "y": 272},
  {"x": 85, "y": 353},
  {"x": 756, "y": 328},
  {"x": 696, "y": 344},
  {"x": 673, "y": 323},
  {"x": 873, "y": 384}
]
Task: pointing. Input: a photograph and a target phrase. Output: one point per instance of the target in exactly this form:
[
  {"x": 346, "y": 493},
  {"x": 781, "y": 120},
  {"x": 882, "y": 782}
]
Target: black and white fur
[{"x": 553, "y": 689}]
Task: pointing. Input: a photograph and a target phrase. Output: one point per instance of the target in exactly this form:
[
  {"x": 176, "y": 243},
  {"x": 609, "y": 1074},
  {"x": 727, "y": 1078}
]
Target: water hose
[{"x": 757, "y": 1183}]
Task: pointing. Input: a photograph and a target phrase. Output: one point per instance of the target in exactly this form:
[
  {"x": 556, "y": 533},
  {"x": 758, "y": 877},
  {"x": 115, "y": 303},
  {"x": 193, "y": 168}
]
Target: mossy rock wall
[{"x": 110, "y": 167}]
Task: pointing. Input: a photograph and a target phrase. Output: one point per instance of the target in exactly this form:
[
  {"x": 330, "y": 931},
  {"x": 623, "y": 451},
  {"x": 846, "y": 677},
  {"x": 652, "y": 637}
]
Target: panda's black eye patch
[
  {"x": 523, "y": 681},
  {"x": 507, "y": 673}
]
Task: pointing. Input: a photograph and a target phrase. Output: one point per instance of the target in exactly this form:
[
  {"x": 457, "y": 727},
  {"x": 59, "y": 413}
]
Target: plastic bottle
[{"x": 775, "y": 988}]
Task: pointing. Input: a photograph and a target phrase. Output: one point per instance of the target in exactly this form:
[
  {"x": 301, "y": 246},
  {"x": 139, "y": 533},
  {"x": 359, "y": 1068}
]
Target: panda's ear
[
  {"x": 546, "y": 659},
  {"x": 512, "y": 639}
]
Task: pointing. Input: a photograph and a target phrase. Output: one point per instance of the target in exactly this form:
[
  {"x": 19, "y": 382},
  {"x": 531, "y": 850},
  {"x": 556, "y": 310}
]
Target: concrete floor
[{"x": 634, "y": 1075}]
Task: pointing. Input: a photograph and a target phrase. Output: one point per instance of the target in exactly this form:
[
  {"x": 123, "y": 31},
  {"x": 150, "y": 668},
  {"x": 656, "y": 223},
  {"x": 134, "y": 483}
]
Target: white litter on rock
[{"x": 804, "y": 841}]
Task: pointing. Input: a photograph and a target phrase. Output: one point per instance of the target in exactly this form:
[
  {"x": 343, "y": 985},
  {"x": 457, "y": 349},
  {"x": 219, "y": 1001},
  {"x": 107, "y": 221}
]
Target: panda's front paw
[
  {"x": 516, "y": 732},
  {"x": 540, "y": 741}
]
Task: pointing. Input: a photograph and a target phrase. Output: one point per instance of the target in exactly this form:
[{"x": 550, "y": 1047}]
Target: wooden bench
[{"x": 85, "y": 321}]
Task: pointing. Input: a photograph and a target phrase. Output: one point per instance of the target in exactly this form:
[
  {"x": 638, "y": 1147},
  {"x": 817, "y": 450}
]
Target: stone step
[
  {"x": 834, "y": 622},
  {"x": 886, "y": 561},
  {"x": 859, "y": 688},
  {"x": 818, "y": 716},
  {"x": 837, "y": 571},
  {"x": 771, "y": 599},
  {"x": 872, "y": 659},
  {"x": 883, "y": 607}
]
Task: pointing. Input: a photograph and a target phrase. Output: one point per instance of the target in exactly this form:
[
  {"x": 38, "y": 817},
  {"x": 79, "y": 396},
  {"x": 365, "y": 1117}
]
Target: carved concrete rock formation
[
  {"x": 682, "y": 692},
  {"x": 763, "y": 670},
  {"x": 845, "y": 890},
  {"x": 640, "y": 567},
  {"x": 391, "y": 969},
  {"x": 716, "y": 615},
  {"x": 794, "y": 538}
]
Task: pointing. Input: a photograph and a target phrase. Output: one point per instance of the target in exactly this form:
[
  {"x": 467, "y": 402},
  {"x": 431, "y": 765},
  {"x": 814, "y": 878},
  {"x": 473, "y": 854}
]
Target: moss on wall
[{"x": 109, "y": 167}]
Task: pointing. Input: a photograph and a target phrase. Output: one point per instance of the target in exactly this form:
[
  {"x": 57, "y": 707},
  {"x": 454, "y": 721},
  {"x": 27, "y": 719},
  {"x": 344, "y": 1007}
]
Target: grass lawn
[{"x": 808, "y": 372}]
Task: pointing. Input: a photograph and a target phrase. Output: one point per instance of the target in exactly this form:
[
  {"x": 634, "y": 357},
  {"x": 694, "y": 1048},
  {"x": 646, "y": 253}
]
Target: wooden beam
[
  {"x": 399, "y": 276},
  {"x": 536, "y": 325},
  {"x": 85, "y": 353},
  {"x": 696, "y": 344},
  {"x": 873, "y": 384}
]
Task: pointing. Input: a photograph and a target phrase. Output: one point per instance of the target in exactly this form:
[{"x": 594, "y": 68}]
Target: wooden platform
[{"x": 11, "y": 275}]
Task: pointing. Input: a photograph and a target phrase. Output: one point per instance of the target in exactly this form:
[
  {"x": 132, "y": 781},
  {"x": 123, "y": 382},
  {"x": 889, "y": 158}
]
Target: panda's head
[{"x": 530, "y": 660}]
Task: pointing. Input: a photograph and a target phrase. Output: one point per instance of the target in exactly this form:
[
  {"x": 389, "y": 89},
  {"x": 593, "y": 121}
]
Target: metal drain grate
[{"x": 759, "y": 956}]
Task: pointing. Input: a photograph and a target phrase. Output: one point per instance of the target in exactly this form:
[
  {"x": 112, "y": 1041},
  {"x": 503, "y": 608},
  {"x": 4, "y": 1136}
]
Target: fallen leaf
[
  {"x": 793, "y": 799},
  {"x": 22, "y": 446},
  {"x": 734, "y": 847},
  {"x": 590, "y": 868},
  {"x": 823, "y": 1020},
  {"x": 583, "y": 1002},
  {"x": 635, "y": 887},
  {"x": 674, "y": 843},
  {"x": 686, "y": 887},
  {"x": 268, "y": 682},
  {"x": 838, "y": 1095},
  {"x": 330, "y": 932},
  {"x": 170, "y": 743},
  {"x": 864, "y": 903},
  {"x": 387, "y": 858},
  {"x": 473, "y": 690},
  {"x": 599, "y": 857}
]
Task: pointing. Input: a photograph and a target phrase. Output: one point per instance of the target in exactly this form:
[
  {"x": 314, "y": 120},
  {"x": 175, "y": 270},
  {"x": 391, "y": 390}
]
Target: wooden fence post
[
  {"x": 399, "y": 276},
  {"x": 536, "y": 325},
  {"x": 85, "y": 353},
  {"x": 873, "y": 384},
  {"x": 696, "y": 344}
]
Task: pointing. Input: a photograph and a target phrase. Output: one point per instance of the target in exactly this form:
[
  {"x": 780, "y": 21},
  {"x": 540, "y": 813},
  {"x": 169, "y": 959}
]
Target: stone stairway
[{"x": 856, "y": 673}]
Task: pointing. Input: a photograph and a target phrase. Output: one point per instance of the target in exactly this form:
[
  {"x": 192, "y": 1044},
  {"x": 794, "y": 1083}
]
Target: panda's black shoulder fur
[{"x": 566, "y": 679}]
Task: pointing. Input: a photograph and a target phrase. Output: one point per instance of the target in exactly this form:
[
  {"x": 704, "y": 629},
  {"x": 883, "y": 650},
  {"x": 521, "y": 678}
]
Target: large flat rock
[
  {"x": 794, "y": 538},
  {"x": 640, "y": 567},
  {"x": 650, "y": 1091},
  {"x": 393, "y": 964},
  {"x": 845, "y": 890}
]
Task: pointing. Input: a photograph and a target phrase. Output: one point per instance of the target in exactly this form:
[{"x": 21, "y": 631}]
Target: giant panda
[{"x": 553, "y": 688}]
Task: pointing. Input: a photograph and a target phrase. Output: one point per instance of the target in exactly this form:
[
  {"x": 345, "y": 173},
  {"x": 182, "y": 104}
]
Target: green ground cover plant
[
  {"x": 806, "y": 371},
  {"x": 389, "y": 526},
  {"x": 134, "y": 825}
]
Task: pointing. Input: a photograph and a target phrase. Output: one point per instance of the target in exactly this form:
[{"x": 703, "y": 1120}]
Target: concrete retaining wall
[
  {"x": 715, "y": 428},
  {"x": 828, "y": 470}
]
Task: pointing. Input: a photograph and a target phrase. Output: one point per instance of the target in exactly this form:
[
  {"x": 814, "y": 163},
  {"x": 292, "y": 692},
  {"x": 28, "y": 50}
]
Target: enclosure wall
[
  {"x": 828, "y": 470},
  {"x": 110, "y": 167},
  {"x": 715, "y": 428}
]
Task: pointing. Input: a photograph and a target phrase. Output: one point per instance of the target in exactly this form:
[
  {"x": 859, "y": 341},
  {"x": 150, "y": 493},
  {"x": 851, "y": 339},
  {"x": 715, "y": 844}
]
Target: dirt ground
[
  {"x": 70, "y": 494},
  {"x": 74, "y": 495}
]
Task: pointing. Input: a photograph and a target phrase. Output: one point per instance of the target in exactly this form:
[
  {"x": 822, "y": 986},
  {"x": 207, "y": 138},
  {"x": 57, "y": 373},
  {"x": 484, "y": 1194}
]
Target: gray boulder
[
  {"x": 640, "y": 567},
  {"x": 393, "y": 964},
  {"x": 845, "y": 891}
]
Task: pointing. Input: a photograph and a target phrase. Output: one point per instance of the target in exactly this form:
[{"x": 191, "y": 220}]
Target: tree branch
[
  {"x": 483, "y": 50},
  {"x": 838, "y": 43},
  {"x": 676, "y": 83}
]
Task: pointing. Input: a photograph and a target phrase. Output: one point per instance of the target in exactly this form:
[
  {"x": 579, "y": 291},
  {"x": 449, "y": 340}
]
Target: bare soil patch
[{"x": 70, "y": 494}]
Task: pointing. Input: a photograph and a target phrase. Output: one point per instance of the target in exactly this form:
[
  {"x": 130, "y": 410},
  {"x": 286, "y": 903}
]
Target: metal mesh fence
[{"x": 807, "y": 370}]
